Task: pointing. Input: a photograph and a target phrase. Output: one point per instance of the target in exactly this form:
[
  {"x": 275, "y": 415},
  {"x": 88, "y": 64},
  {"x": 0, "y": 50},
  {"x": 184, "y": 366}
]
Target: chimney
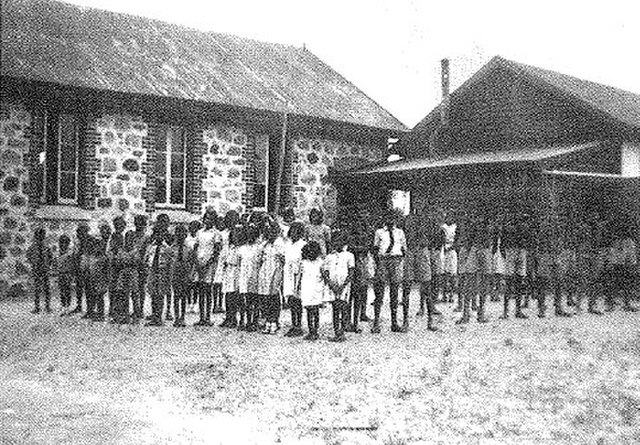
[{"x": 444, "y": 106}]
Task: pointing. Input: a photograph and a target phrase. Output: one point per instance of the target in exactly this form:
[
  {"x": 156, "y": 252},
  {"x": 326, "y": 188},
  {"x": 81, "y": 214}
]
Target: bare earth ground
[{"x": 555, "y": 381}]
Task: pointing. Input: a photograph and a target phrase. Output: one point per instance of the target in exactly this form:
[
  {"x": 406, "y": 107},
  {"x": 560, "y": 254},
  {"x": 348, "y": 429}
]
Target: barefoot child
[
  {"x": 158, "y": 260},
  {"x": 207, "y": 249},
  {"x": 311, "y": 286},
  {"x": 292, "y": 260},
  {"x": 127, "y": 284},
  {"x": 249, "y": 257},
  {"x": 182, "y": 260},
  {"x": 39, "y": 256},
  {"x": 191, "y": 242},
  {"x": 337, "y": 272},
  {"x": 270, "y": 276},
  {"x": 65, "y": 268},
  {"x": 230, "y": 277}
]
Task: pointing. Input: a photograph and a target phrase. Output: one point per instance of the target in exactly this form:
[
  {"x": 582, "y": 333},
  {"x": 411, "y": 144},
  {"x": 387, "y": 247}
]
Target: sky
[{"x": 391, "y": 50}]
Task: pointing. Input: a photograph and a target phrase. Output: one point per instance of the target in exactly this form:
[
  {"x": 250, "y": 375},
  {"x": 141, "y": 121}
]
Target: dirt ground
[{"x": 551, "y": 381}]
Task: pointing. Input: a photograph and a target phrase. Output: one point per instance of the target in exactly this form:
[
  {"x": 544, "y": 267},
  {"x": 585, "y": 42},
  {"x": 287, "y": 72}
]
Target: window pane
[
  {"x": 161, "y": 165},
  {"x": 177, "y": 165},
  {"x": 67, "y": 129},
  {"x": 161, "y": 191},
  {"x": 177, "y": 191},
  {"x": 68, "y": 158},
  {"x": 177, "y": 139},
  {"x": 68, "y": 186}
]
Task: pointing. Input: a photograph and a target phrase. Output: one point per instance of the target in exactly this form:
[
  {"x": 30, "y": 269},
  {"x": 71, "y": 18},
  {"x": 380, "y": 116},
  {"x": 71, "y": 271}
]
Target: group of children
[{"x": 256, "y": 264}]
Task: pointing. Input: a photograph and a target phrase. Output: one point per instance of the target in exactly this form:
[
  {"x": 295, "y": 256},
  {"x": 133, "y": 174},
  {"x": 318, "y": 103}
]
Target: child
[
  {"x": 39, "y": 256},
  {"x": 79, "y": 261},
  {"x": 468, "y": 273},
  {"x": 311, "y": 286},
  {"x": 191, "y": 242},
  {"x": 249, "y": 258},
  {"x": 318, "y": 231},
  {"x": 115, "y": 245},
  {"x": 292, "y": 260},
  {"x": 218, "y": 277},
  {"x": 158, "y": 260},
  {"x": 65, "y": 268},
  {"x": 485, "y": 267},
  {"x": 270, "y": 276},
  {"x": 544, "y": 273},
  {"x": 360, "y": 245},
  {"x": 97, "y": 268},
  {"x": 141, "y": 241},
  {"x": 182, "y": 260},
  {"x": 208, "y": 248},
  {"x": 623, "y": 261},
  {"x": 417, "y": 264},
  {"x": 450, "y": 257},
  {"x": 127, "y": 284},
  {"x": 563, "y": 272},
  {"x": 230, "y": 277},
  {"x": 511, "y": 247},
  {"x": 337, "y": 274}
]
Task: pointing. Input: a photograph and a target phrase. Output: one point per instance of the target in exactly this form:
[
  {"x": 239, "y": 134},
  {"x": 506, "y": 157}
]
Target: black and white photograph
[{"x": 322, "y": 222}]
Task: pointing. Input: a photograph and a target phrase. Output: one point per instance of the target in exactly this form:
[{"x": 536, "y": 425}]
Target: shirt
[
  {"x": 207, "y": 245},
  {"x": 337, "y": 265},
  {"x": 382, "y": 241}
]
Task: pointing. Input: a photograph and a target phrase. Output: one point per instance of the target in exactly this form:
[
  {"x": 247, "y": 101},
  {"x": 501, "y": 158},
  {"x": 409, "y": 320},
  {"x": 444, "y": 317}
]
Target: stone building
[
  {"x": 105, "y": 114},
  {"x": 517, "y": 140}
]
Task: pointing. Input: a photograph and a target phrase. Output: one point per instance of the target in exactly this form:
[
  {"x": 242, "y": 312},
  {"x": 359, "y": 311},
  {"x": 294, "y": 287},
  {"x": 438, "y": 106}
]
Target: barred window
[{"x": 171, "y": 157}]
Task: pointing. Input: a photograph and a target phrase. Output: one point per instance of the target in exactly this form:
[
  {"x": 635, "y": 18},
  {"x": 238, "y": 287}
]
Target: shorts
[
  {"x": 417, "y": 266},
  {"x": 449, "y": 261},
  {"x": 389, "y": 269}
]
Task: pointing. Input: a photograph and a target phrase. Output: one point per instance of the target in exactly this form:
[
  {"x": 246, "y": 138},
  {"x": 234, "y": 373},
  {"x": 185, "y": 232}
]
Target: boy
[
  {"x": 127, "y": 284},
  {"x": 141, "y": 242},
  {"x": 191, "y": 242},
  {"x": 116, "y": 243},
  {"x": 337, "y": 273},
  {"x": 182, "y": 260},
  {"x": 39, "y": 256},
  {"x": 158, "y": 260},
  {"x": 207, "y": 250},
  {"x": 80, "y": 251},
  {"x": 65, "y": 268}
]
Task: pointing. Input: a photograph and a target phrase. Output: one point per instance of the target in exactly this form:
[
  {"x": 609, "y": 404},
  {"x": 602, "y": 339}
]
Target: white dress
[
  {"x": 207, "y": 242},
  {"x": 271, "y": 265},
  {"x": 292, "y": 259},
  {"x": 231, "y": 266},
  {"x": 249, "y": 266},
  {"x": 311, "y": 283}
]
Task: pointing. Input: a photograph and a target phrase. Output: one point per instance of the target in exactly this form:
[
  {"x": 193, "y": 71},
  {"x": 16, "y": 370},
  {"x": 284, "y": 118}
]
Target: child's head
[
  {"x": 231, "y": 219},
  {"x": 338, "y": 240},
  {"x": 288, "y": 215},
  {"x": 237, "y": 235},
  {"x": 129, "y": 240},
  {"x": 180, "y": 233},
  {"x": 210, "y": 218},
  {"x": 272, "y": 230},
  {"x": 390, "y": 219},
  {"x": 252, "y": 233},
  {"x": 316, "y": 217},
  {"x": 119, "y": 224},
  {"x": 105, "y": 231},
  {"x": 82, "y": 231},
  {"x": 311, "y": 251},
  {"x": 39, "y": 234},
  {"x": 162, "y": 223},
  {"x": 63, "y": 242},
  {"x": 194, "y": 226},
  {"x": 296, "y": 231},
  {"x": 140, "y": 223}
]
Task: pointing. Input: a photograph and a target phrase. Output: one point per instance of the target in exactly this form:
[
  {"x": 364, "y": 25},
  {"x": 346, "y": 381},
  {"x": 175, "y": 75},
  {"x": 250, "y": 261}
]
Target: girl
[
  {"x": 65, "y": 268},
  {"x": 230, "y": 278},
  {"x": 79, "y": 260},
  {"x": 292, "y": 260},
  {"x": 270, "y": 276},
  {"x": 208, "y": 245},
  {"x": 97, "y": 278},
  {"x": 191, "y": 242},
  {"x": 225, "y": 226},
  {"x": 318, "y": 231},
  {"x": 39, "y": 256},
  {"x": 249, "y": 255},
  {"x": 182, "y": 260},
  {"x": 337, "y": 273},
  {"x": 311, "y": 286}
]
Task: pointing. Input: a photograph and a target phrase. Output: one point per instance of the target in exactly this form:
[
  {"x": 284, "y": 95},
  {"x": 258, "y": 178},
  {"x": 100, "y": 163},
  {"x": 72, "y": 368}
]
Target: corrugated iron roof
[
  {"x": 49, "y": 41},
  {"x": 494, "y": 157},
  {"x": 620, "y": 106}
]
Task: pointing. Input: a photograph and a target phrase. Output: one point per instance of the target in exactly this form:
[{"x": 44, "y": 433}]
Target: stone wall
[
  {"x": 121, "y": 156},
  {"x": 224, "y": 163},
  {"x": 15, "y": 232},
  {"x": 312, "y": 160}
]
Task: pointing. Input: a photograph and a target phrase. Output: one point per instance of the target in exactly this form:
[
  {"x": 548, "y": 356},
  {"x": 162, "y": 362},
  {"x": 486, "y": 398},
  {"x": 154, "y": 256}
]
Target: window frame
[
  {"x": 168, "y": 174},
  {"x": 59, "y": 172}
]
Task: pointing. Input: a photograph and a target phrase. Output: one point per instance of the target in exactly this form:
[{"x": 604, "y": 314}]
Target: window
[
  {"x": 171, "y": 156},
  {"x": 58, "y": 162}
]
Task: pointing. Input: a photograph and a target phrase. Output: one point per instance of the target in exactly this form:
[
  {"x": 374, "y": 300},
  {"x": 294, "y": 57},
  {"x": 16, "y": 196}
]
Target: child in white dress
[
  {"x": 311, "y": 286},
  {"x": 230, "y": 278},
  {"x": 270, "y": 277},
  {"x": 249, "y": 257}
]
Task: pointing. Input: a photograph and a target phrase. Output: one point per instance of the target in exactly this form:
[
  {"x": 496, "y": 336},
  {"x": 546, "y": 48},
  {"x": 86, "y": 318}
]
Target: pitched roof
[
  {"x": 619, "y": 106},
  {"x": 49, "y": 41},
  {"x": 519, "y": 155}
]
